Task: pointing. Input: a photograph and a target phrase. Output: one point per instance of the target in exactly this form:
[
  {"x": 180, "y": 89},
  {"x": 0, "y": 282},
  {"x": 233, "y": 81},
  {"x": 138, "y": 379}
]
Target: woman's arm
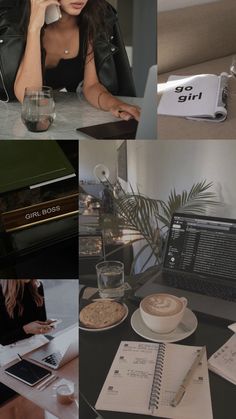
[
  {"x": 98, "y": 95},
  {"x": 34, "y": 328},
  {"x": 30, "y": 71},
  {"x": 12, "y": 330}
]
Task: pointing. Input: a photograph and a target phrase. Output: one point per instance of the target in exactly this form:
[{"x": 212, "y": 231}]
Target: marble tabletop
[{"x": 72, "y": 111}]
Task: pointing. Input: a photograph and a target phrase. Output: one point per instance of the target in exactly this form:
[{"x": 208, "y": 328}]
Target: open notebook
[
  {"x": 223, "y": 361},
  {"x": 9, "y": 353},
  {"x": 200, "y": 97},
  {"x": 144, "y": 378}
]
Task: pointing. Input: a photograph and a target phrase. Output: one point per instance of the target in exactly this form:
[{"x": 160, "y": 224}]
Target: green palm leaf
[
  {"x": 142, "y": 215},
  {"x": 197, "y": 200}
]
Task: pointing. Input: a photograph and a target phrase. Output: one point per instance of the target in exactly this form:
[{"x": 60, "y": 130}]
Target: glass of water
[
  {"x": 110, "y": 277},
  {"x": 38, "y": 109},
  {"x": 233, "y": 66}
]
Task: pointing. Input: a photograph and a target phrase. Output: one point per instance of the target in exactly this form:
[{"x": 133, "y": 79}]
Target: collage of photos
[{"x": 117, "y": 209}]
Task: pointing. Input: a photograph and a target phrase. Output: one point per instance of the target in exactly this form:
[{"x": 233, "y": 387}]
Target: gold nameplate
[{"x": 40, "y": 213}]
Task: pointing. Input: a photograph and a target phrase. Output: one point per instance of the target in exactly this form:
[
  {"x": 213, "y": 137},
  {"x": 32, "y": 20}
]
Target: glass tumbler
[
  {"x": 38, "y": 109},
  {"x": 110, "y": 279}
]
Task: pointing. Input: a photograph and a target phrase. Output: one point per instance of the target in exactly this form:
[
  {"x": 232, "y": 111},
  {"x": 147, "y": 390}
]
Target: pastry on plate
[{"x": 100, "y": 314}]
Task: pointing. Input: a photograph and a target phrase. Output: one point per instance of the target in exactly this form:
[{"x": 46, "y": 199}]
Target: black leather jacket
[{"x": 111, "y": 60}]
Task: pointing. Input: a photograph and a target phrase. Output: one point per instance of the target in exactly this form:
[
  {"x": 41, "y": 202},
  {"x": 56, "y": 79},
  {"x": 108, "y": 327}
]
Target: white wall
[
  {"x": 92, "y": 153},
  {"x": 156, "y": 167},
  {"x": 164, "y": 165},
  {"x": 177, "y": 4}
]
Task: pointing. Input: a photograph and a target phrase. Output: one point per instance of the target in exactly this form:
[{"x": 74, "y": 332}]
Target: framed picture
[{"x": 122, "y": 161}]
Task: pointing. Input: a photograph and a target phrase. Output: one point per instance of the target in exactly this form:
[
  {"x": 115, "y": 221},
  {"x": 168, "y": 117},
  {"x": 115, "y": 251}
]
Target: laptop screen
[{"x": 202, "y": 245}]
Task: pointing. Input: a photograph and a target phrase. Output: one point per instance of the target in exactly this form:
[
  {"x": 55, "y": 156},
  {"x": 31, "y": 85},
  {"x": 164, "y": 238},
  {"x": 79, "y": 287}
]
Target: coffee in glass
[{"x": 38, "y": 109}]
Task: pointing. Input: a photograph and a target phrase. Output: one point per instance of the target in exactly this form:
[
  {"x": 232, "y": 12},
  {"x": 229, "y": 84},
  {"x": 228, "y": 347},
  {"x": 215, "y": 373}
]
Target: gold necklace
[{"x": 66, "y": 50}]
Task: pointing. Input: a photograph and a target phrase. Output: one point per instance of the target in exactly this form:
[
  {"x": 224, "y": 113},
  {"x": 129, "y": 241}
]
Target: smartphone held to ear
[{"x": 53, "y": 13}]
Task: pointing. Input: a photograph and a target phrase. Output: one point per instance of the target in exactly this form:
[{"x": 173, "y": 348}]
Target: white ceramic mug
[{"x": 162, "y": 312}]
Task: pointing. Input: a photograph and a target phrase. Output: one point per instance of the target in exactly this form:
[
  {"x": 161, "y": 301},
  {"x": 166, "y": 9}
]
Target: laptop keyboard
[
  {"x": 200, "y": 286},
  {"x": 53, "y": 359}
]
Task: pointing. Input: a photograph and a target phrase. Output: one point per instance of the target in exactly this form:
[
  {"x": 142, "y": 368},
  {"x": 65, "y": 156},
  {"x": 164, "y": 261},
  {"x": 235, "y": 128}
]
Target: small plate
[
  {"x": 187, "y": 326},
  {"x": 89, "y": 329}
]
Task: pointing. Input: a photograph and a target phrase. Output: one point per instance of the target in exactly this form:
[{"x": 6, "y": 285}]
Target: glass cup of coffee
[
  {"x": 38, "y": 109},
  {"x": 162, "y": 312},
  {"x": 110, "y": 279}
]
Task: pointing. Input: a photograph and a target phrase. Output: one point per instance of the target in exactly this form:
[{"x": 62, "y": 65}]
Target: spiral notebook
[
  {"x": 223, "y": 361},
  {"x": 199, "y": 97},
  {"x": 144, "y": 378}
]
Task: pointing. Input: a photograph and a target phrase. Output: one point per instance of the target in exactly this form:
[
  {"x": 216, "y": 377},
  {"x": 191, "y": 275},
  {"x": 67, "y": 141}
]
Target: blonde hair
[{"x": 13, "y": 291}]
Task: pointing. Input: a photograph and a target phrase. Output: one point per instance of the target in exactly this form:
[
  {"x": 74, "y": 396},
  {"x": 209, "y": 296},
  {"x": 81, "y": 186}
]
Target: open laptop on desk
[
  {"x": 61, "y": 350},
  {"x": 199, "y": 264},
  {"x": 145, "y": 129}
]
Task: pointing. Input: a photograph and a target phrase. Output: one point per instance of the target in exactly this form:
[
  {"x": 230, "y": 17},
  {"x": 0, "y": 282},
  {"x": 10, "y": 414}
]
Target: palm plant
[{"x": 148, "y": 219}]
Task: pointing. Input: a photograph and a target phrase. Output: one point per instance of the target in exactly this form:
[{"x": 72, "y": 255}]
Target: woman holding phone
[
  {"x": 22, "y": 314},
  {"x": 61, "y": 54}
]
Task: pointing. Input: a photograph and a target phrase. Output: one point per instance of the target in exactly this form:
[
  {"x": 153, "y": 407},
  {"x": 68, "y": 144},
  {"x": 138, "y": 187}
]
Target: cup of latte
[{"x": 162, "y": 312}]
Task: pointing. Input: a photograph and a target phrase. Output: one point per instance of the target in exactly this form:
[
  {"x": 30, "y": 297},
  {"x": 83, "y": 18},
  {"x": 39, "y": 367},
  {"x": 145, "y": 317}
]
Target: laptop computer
[
  {"x": 61, "y": 350},
  {"x": 147, "y": 126},
  {"x": 145, "y": 129},
  {"x": 199, "y": 264}
]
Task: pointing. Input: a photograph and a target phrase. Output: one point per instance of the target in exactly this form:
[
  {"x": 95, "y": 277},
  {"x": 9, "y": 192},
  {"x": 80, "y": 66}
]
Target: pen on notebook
[
  {"x": 20, "y": 356},
  {"x": 183, "y": 387},
  {"x": 42, "y": 384}
]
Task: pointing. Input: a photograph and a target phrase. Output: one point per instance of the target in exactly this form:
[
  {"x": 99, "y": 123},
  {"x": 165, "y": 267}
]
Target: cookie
[{"x": 102, "y": 314}]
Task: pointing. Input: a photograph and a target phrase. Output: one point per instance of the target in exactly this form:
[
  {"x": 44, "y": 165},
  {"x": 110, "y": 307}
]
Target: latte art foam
[{"x": 162, "y": 305}]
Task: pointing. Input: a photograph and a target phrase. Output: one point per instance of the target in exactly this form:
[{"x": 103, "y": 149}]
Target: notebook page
[
  {"x": 196, "y": 402},
  {"x": 127, "y": 387},
  {"x": 10, "y": 352},
  {"x": 223, "y": 361},
  {"x": 190, "y": 96}
]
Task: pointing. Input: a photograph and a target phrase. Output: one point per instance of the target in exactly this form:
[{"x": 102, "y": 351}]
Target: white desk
[
  {"x": 72, "y": 112},
  {"x": 46, "y": 399}
]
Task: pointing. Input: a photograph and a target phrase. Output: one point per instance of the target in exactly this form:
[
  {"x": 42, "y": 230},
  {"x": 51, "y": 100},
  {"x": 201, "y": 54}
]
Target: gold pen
[
  {"x": 47, "y": 382},
  {"x": 182, "y": 389}
]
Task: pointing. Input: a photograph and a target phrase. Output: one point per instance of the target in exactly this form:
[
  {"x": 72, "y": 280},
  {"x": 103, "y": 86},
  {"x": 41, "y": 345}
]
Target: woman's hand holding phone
[
  {"x": 38, "y": 11},
  {"x": 38, "y": 327}
]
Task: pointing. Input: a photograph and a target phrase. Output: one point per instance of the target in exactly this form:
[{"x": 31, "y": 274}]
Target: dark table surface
[{"x": 97, "y": 350}]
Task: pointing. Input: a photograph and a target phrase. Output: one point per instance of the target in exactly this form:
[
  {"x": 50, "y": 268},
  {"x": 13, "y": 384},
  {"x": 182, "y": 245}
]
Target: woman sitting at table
[
  {"x": 22, "y": 314},
  {"x": 61, "y": 54}
]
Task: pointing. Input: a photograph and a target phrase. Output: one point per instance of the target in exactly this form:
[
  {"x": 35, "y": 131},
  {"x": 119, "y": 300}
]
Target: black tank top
[{"x": 68, "y": 73}]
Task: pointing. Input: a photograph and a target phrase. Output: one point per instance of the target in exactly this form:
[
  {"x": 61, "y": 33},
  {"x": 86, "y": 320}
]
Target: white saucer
[
  {"x": 187, "y": 326},
  {"x": 102, "y": 329}
]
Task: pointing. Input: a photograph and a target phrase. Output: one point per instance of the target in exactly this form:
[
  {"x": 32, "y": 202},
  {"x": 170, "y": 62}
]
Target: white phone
[
  {"x": 53, "y": 13},
  {"x": 55, "y": 322}
]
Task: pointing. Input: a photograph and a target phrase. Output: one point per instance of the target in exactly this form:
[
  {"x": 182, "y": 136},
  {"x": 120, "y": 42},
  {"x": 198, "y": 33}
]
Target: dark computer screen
[{"x": 202, "y": 245}]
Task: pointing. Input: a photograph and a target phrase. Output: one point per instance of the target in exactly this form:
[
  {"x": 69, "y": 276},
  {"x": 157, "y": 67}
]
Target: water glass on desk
[
  {"x": 233, "y": 66},
  {"x": 110, "y": 277},
  {"x": 38, "y": 109}
]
